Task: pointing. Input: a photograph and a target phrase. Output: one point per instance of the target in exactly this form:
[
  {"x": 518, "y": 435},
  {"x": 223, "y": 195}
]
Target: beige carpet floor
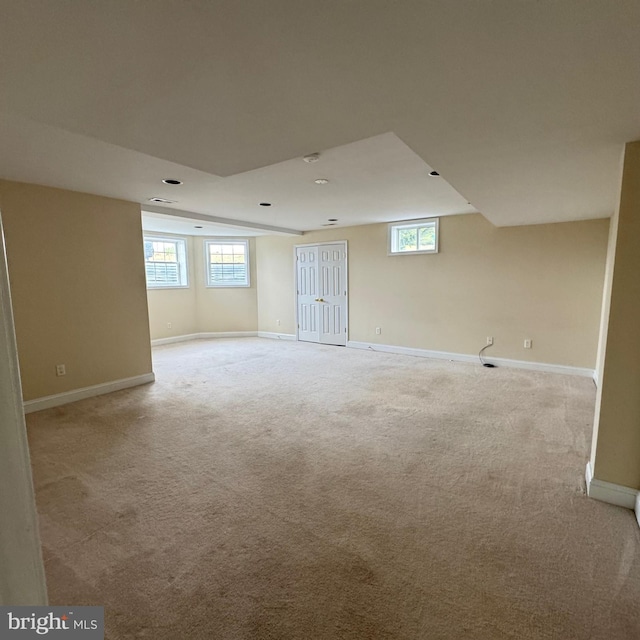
[{"x": 263, "y": 489}]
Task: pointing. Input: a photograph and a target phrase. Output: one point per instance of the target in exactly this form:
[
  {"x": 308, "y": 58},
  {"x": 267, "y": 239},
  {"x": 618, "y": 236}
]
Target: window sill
[
  {"x": 411, "y": 253},
  {"x": 175, "y": 286}
]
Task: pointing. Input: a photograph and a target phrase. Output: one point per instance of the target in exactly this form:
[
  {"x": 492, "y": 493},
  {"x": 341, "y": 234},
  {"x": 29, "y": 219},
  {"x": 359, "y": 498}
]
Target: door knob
[{"x": 319, "y": 300}]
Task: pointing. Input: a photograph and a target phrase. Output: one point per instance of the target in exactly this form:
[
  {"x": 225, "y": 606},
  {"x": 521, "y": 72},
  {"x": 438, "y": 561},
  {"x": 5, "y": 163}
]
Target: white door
[{"x": 322, "y": 293}]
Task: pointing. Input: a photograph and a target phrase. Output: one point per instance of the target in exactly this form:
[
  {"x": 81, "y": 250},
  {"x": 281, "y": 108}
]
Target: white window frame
[
  {"x": 226, "y": 285},
  {"x": 183, "y": 261},
  {"x": 394, "y": 227}
]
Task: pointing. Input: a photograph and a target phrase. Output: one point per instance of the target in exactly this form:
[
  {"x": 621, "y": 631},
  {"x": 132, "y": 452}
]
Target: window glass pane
[
  {"x": 427, "y": 238},
  {"x": 407, "y": 239},
  {"x": 170, "y": 253},
  {"x": 161, "y": 251},
  {"x": 215, "y": 253}
]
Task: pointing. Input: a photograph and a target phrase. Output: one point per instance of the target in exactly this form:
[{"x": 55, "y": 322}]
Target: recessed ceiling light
[
  {"x": 434, "y": 174},
  {"x": 172, "y": 181},
  {"x": 162, "y": 200},
  {"x": 329, "y": 224},
  {"x": 312, "y": 157},
  {"x": 197, "y": 226},
  {"x": 265, "y": 204},
  {"x": 332, "y": 219},
  {"x": 321, "y": 181}
]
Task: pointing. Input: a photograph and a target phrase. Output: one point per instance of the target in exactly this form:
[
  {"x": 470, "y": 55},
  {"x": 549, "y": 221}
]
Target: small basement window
[
  {"x": 165, "y": 262},
  {"x": 227, "y": 263},
  {"x": 413, "y": 236}
]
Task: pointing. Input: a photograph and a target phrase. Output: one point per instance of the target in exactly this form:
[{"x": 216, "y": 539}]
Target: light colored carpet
[{"x": 264, "y": 489}]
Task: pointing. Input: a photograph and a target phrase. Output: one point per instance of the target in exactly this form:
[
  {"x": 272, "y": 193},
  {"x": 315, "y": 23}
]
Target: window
[
  {"x": 165, "y": 262},
  {"x": 227, "y": 263},
  {"x": 413, "y": 236}
]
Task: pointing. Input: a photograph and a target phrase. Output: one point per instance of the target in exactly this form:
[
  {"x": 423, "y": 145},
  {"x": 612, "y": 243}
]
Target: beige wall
[
  {"x": 276, "y": 280},
  {"x": 226, "y": 309},
  {"x": 177, "y": 307},
  {"x": 616, "y": 443},
  {"x": 202, "y": 309},
  {"x": 76, "y": 267},
  {"x": 542, "y": 282}
]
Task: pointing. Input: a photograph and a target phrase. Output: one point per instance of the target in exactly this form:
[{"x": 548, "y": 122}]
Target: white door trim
[
  {"x": 345, "y": 244},
  {"x": 22, "y": 580},
  {"x": 319, "y": 244}
]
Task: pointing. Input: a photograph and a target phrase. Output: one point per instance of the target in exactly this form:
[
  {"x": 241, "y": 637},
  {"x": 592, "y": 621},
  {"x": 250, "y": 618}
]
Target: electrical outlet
[
  {"x": 278, "y": 322},
  {"x": 378, "y": 331},
  {"x": 61, "y": 370},
  {"x": 168, "y": 325},
  {"x": 489, "y": 341},
  {"x": 527, "y": 344}
]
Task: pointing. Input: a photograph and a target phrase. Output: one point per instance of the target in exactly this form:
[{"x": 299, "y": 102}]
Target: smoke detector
[{"x": 312, "y": 157}]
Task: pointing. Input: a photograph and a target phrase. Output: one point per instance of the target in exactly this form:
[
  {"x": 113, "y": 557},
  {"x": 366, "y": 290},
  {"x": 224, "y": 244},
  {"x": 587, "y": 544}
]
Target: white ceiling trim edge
[{"x": 179, "y": 213}]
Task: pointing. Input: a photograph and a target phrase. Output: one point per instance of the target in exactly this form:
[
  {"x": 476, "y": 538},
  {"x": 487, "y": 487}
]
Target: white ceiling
[
  {"x": 189, "y": 226},
  {"x": 523, "y": 107},
  {"x": 373, "y": 180}
]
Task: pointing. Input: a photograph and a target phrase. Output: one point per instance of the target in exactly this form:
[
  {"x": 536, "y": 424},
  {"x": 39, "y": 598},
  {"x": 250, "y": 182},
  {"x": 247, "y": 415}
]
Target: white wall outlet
[
  {"x": 278, "y": 322},
  {"x": 168, "y": 325},
  {"x": 378, "y": 330},
  {"x": 489, "y": 341},
  {"x": 527, "y": 344},
  {"x": 61, "y": 370}
]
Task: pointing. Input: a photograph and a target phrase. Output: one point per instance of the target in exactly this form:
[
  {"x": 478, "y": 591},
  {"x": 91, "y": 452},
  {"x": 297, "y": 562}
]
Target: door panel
[
  {"x": 307, "y": 279},
  {"x": 322, "y": 293}
]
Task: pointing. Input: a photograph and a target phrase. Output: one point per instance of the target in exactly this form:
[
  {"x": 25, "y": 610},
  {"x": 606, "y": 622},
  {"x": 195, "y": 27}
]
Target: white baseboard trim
[
  {"x": 204, "y": 336},
  {"x": 46, "y": 402},
  {"x": 611, "y": 493},
  {"x": 463, "y": 357},
  {"x": 229, "y": 334},
  {"x": 276, "y": 336},
  {"x": 172, "y": 339}
]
